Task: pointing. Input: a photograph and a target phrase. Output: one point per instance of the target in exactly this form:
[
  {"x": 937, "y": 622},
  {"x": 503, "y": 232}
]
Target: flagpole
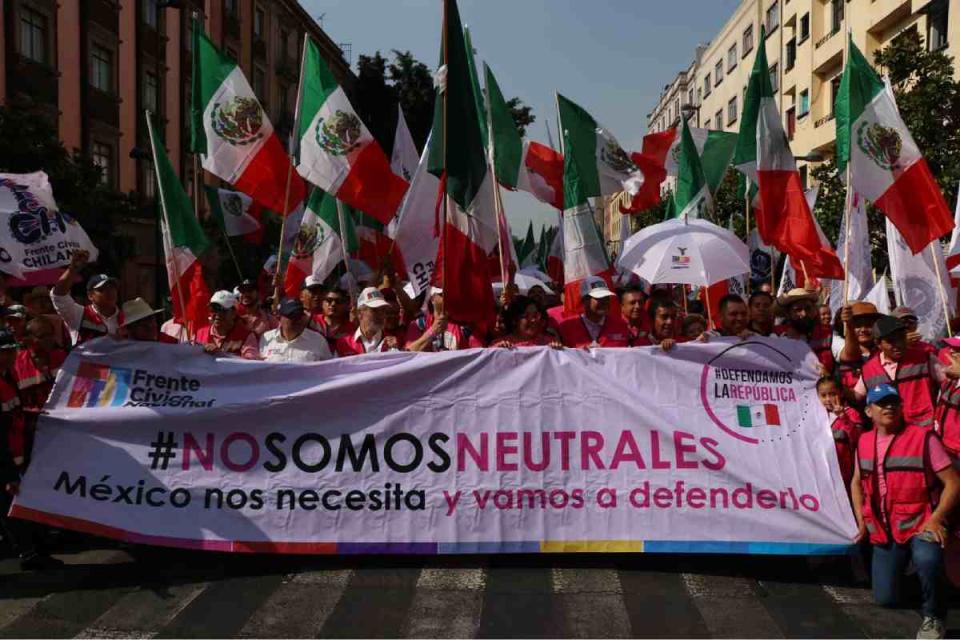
[
  {"x": 286, "y": 191},
  {"x": 940, "y": 287},
  {"x": 233, "y": 255},
  {"x": 351, "y": 280},
  {"x": 166, "y": 222},
  {"x": 445, "y": 259}
]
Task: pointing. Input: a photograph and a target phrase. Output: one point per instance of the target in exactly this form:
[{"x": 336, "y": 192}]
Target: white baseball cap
[
  {"x": 224, "y": 299},
  {"x": 312, "y": 281},
  {"x": 371, "y": 297},
  {"x": 595, "y": 287}
]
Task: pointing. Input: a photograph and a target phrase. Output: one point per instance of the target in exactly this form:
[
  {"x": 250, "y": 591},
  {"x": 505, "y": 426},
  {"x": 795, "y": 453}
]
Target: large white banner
[
  {"x": 719, "y": 447},
  {"x": 34, "y": 234}
]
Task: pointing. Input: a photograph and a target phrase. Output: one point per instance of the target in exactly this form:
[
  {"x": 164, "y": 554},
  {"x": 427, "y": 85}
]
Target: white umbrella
[
  {"x": 685, "y": 251},
  {"x": 524, "y": 284}
]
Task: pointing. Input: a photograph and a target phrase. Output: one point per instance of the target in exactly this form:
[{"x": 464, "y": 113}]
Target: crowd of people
[{"x": 893, "y": 397}]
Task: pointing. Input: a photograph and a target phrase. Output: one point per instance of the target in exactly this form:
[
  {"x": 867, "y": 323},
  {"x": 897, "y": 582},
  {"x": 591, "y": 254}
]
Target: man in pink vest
[
  {"x": 369, "y": 336},
  {"x": 227, "y": 334},
  {"x": 595, "y": 327},
  {"x": 904, "y": 490},
  {"x": 99, "y": 318},
  {"x": 916, "y": 374}
]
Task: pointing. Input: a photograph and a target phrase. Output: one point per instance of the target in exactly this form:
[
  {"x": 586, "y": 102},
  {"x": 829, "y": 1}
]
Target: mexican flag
[
  {"x": 469, "y": 231},
  {"x": 714, "y": 150},
  {"x": 541, "y": 173},
  {"x": 233, "y": 134},
  {"x": 506, "y": 144},
  {"x": 758, "y": 415},
  {"x": 235, "y": 212},
  {"x": 886, "y": 166},
  {"x": 337, "y": 152},
  {"x": 319, "y": 245},
  {"x": 526, "y": 247},
  {"x": 692, "y": 193},
  {"x": 763, "y": 155},
  {"x": 652, "y": 161},
  {"x": 404, "y": 158},
  {"x": 601, "y": 166},
  {"x": 587, "y": 173},
  {"x": 183, "y": 242},
  {"x": 374, "y": 246}
]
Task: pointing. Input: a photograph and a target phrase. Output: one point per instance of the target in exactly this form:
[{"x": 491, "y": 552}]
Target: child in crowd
[{"x": 846, "y": 426}]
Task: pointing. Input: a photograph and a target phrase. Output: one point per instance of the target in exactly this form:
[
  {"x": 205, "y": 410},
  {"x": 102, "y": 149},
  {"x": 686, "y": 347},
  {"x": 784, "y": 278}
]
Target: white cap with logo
[
  {"x": 371, "y": 297},
  {"x": 224, "y": 299},
  {"x": 595, "y": 287}
]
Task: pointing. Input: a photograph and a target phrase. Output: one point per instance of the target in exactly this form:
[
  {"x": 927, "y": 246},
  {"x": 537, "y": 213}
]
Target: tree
[
  {"x": 413, "y": 85},
  {"x": 522, "y": 115}
]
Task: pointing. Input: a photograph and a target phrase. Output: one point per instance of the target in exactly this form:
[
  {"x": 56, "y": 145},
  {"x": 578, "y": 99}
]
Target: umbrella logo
[
  {"x": 680, "y": 260},
  {"x": 752, "y": 404}
]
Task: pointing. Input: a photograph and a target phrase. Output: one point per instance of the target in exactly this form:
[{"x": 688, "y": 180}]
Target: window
[
  {"x": 232, "y": 54},
  {"x": 283, "y": 91},
  {"x": 791, "y": 122},
  {"x": 836, "y": 15},
  {"x": 718, "y": 73},
  {"x": 791, "y": 54},
  {"x": 707, "y": 86},
  {"x": 747, "y": 40},
  {"x": 33, "y": 35},
  {"x": 149, "y": 180},
  {"x": 773, "y": 18},
  {"x": 834, "y": 92},
  {"x": 260, "y": 84},
  {"x": 732, "y": 111},
  {"x": 732, "y": 58},
  {"x": 259, "y": 18},
  {"x": 804, "y": 107},
  {"x": 151, "y": 91},
  {"x": 775, "y": 76},
  {"x": 690, "y": 96},
  {"x": 102, "y": 156},
  {"x": 232, "y": 8},
  {"x": 151, "y": 13},
  {"x": 718, "y": 118},
  {"x": 937, "y": 25},
  {"x": 804, "y": 27},
  {"x": 101, "y": 68}
]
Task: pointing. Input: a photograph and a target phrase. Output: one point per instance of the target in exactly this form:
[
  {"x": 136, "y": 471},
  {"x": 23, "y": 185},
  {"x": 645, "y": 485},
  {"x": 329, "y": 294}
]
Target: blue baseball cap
[{"x": 881, "y": 391}]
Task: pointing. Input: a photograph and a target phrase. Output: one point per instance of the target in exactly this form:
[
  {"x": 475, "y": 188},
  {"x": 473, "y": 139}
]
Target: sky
[{"x": 613, "y": 57}]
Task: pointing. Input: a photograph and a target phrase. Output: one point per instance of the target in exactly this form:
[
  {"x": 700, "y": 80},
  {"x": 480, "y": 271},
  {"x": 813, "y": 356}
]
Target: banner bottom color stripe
[{"x": 434, "y": 548}]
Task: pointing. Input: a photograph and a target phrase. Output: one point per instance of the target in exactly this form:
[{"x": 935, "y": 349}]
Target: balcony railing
[
  {"x": 822, "y": 121},
  {"x": 822, "y": 41}
]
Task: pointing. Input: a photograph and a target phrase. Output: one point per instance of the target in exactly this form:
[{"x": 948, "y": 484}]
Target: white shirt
[
  {"x": 372, "y": 345},
  {"x": 72, "y": 314},
  {"x": 309, "y": 346}
]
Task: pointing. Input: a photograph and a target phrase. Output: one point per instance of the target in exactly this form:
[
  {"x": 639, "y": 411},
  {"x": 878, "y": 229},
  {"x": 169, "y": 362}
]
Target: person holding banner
[
  {"x": 369, "y": 336},
  {"x": 99, "y": 318},
  {"x": 334, "y": 320},
  {"x": 760, "y": 306},
  {"x": 292, "y": 341},
  {"x": 802, "y": 323},
  {"x": 904, "y": 490},
  {"x": 525, "y": 322},
  {"x": 663, "y": 326},
  {"x": 595, "y": 327},
  {"x": 734, "y": 318},
  {"x": 634, "y": 312},
  {"x": 227, "y": 334}
]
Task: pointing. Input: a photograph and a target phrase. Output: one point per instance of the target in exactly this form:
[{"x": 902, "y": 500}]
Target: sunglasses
[{"x": 334, "y": 300}]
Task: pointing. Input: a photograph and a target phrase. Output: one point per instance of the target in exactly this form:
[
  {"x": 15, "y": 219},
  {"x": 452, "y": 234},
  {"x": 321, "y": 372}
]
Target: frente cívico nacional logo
[{"x": 751, "y": 404}]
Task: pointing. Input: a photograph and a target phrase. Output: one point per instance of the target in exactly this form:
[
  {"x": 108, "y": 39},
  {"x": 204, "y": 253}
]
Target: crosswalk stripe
[
  {"x": 876, "y": 622},
  {"x": 299, "y": 607},
  {"x": 591, "y": 600},
  {"x": 447, "y": 603},
  {"x": 375, "y": 603},
  {"x": 141, "y": 613},
  {"x": 64, "y": 614},
  {"x": 729, "y": 607}
]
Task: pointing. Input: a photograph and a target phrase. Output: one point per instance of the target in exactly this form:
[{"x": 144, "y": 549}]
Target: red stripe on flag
[
  {"x": 371, "y": 186},
  {"x": 196, "y": 296},
  {"x": 265, "y": 178},
  {"x": 771, "y": 414},
  {"x": 467, "y": 293},
  {"x": 916, "y": 207}
]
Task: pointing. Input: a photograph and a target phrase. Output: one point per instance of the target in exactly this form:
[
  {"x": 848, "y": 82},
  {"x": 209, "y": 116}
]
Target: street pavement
[{"x": 116, "y": 591}]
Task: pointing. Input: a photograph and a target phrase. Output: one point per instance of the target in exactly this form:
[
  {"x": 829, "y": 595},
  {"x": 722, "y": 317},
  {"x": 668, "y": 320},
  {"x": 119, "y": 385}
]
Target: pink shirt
[{"x": 860, "y": 389}]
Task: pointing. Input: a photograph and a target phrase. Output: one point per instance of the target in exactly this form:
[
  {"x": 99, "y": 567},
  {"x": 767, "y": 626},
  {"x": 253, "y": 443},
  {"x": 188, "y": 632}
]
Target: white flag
[
  {"x": 860, "y": 268},
  {"x": 415, "y": 227},
  {"x": 915, "y": 282},
  {"x": 953, "y": 252},
  {"x": 879, "y": 295},
  {"x": 404, "y": 159},
  {"x": 34, "y": 234}
]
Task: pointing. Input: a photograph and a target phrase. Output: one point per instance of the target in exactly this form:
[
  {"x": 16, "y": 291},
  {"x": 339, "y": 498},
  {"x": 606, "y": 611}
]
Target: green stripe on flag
[
  {"x": 581, "y": 179},
  {"x": 507, "y": 144},
  {"x": 210, "y": 69},
  {"x": 758, "y": 87},
  {"x": 858, "y": 86},
  {"x": 317, "y": 84},
  {"x": 743, "y": 415},
  {"x": 185, "y": 229}
]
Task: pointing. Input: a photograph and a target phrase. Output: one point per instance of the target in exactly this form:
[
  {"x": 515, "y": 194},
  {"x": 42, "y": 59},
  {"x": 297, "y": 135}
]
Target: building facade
[
  {"x": 805, "y": 50},
  {"x": 97, "y": 65}
]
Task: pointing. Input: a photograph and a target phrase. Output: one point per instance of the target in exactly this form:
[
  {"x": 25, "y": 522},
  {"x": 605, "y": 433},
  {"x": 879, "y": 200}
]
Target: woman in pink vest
[
  {"x": 904, "y": 490},
  {"x": 525, "y": 324}
]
